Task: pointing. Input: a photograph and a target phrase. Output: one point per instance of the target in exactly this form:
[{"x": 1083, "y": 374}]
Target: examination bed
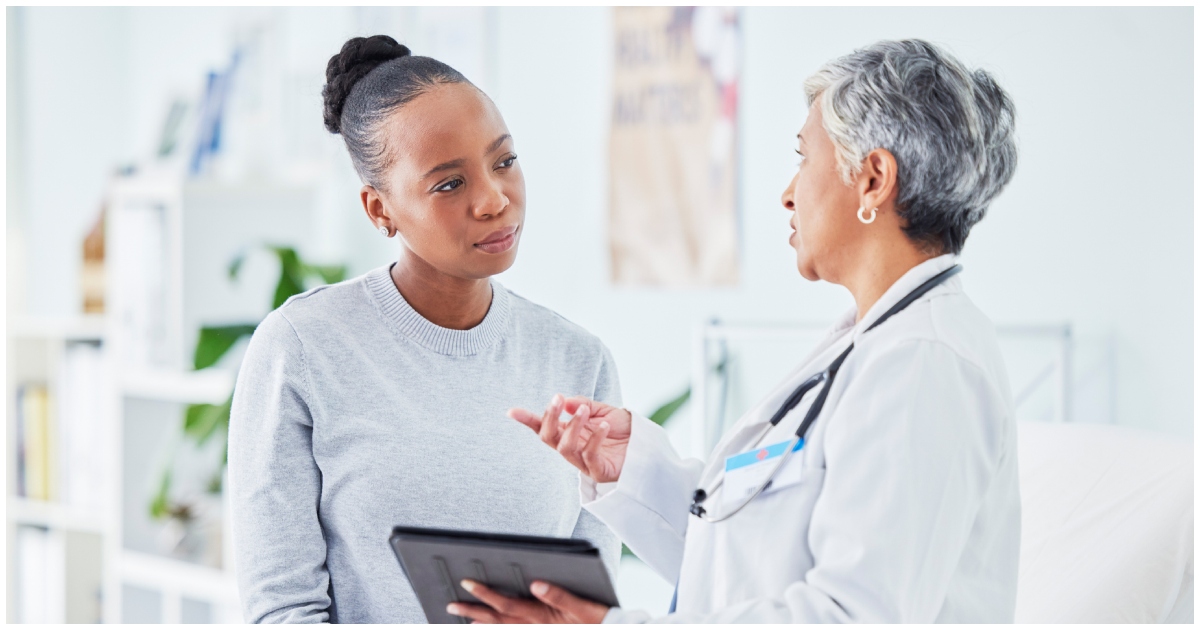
[{"x": 1107, "y": 525}]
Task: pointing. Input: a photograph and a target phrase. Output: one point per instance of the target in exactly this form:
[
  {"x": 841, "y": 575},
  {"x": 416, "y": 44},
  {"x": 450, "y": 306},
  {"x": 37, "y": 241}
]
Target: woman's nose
[
  {"x": 787, "y": 200},
  {"x": 492, "y": 203}
]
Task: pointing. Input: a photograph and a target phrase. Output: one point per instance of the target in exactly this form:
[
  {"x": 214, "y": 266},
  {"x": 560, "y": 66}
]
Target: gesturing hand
[{"x": 593, "y": 439}]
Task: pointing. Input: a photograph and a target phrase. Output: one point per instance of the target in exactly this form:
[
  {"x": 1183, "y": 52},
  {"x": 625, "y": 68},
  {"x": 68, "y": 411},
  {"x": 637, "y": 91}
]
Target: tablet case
[{"x": 436, "y": 560}]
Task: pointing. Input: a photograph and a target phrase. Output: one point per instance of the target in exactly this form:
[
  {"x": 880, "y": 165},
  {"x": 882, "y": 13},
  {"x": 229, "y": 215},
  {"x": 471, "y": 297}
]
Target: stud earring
[
  {"x": 385, "y": 232},
  {"x": 865, "y": 219}
]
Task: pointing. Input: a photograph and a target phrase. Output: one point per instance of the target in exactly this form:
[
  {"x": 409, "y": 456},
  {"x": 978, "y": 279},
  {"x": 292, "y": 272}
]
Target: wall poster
[{"x": 673, "y": 180}]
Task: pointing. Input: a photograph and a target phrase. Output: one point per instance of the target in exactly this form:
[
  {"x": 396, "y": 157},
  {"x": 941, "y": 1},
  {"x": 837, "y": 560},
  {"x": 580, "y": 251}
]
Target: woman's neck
[
  {"x": 445, "y": 300},
  {"x": 878, "y": 269}
]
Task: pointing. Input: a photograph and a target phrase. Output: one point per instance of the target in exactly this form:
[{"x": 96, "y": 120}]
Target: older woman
[{"x": 878, "y": 482}]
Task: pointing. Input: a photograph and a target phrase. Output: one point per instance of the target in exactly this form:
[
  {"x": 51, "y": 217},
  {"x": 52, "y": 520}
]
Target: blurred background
[{"x": 169, "y": 179}]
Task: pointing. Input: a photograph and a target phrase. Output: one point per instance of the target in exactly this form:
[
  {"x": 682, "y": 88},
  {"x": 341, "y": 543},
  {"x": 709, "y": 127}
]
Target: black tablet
[{"x": 436, "y": 560}]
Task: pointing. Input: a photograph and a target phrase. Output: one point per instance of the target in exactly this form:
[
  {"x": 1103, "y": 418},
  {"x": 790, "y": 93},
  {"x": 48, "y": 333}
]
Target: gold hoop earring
[{"x": 865, "y": 220}]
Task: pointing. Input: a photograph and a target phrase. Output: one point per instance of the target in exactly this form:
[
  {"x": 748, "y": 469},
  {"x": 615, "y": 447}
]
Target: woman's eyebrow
[
  {"x": 444, "y": 166},
  {"x": 452, "y": 164},
  {"x": 496, "y": 143}
]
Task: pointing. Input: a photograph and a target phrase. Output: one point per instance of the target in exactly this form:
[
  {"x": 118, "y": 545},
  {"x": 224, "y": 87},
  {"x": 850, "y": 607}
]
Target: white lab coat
[{"x": 904, "y": 506}]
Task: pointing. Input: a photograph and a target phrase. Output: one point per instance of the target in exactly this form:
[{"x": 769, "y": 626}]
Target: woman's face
[
  {"x": 455, "y": 192},
  {"x": 823, "y": 207}
]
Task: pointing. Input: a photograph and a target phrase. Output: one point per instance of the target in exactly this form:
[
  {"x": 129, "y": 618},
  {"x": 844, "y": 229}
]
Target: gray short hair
[{"x": 949, "y": 128}]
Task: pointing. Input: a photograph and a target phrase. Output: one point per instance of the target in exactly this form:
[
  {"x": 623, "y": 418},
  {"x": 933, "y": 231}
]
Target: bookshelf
[
  {"x": 55, "y": 542},
  {"x": 169, "y": 242}
]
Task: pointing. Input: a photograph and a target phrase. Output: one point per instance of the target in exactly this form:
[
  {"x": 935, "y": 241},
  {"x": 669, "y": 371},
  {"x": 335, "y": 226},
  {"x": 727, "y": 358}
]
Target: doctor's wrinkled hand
[
  {"x": 593, "y": 438},
  {"x": 554, "y": 605}
]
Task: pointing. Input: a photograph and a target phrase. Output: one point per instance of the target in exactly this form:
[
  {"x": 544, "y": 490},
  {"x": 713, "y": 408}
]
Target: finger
[
  {"x": 549, "y": 431},
  {"x": 506, "y": 606},
  {"x": 474, "y": 612},
  {"x": 571, "y": 405},
  {"x": 591, "y": 456},
  {"x": 527, "y": 418},
  {"x": 562, "y": 600},
  {"x": 569, "y": 444}
]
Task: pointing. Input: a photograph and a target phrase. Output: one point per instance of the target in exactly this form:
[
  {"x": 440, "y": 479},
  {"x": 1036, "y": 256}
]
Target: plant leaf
[
  {"x": 215, "y": 341},
  {"x": 235, "y": 265},
  {"x": 202, "y": 421},
  {"x": 330, "y": 274},
  {"x": 291, "y": 275},
  {"x": 664, "y": 413},
  {"x": 160, "y": 506}
]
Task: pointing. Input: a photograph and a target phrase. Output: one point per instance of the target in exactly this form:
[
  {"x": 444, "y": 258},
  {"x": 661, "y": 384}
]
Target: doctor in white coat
[{"x": 893, "y": 499}]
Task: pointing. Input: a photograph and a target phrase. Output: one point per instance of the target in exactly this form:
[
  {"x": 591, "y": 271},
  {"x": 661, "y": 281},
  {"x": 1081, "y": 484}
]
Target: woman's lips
[{"x": 499, "y": 241}]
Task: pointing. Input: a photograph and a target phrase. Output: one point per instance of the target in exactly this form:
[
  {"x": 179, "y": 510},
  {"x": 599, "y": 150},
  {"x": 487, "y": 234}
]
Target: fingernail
[
  {"x": 539, "y": 588},
  {"x": 583, "y": 410},
  {"x": 469, "y": 585},
  {"x": 557, "y": 400},
  {"x": 452, "y": 609},
  {"x": 603, "y": 425}
]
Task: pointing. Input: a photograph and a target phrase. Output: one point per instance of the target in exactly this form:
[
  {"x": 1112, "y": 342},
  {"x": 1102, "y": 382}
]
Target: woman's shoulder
[
  {"x": 532, "y": 320},
  {"x": 319, "y": 307},
  {"x": 952, "y": 322}
]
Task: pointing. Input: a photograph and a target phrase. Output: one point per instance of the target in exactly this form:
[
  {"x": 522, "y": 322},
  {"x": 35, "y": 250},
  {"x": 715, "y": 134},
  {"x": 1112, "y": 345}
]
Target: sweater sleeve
[{"x": 275, "y": 483}]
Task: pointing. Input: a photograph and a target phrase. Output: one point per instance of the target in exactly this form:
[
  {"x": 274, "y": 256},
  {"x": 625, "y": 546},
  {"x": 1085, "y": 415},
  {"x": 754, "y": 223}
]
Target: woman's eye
[
  {"x": 449, "y": 186},
  {"x": 509, "y": 161}
]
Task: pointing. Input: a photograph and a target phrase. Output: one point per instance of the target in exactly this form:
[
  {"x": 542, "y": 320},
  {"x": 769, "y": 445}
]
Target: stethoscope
[{"x": 826, "y": 376}]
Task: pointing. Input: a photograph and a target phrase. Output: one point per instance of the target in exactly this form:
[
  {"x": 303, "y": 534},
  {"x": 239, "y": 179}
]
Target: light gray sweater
[{"x": 353, "y": 414}]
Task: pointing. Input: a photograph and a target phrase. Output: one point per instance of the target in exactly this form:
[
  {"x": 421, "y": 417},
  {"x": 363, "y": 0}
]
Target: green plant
[{"x": 202, "y": 421}]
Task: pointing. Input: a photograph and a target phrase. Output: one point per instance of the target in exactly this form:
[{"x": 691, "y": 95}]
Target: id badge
[{"x": 745, "y": 472}]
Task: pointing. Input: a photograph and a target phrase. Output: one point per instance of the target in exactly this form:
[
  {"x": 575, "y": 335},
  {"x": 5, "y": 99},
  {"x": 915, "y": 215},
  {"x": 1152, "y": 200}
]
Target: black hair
[{"x": 368, "y": 80}]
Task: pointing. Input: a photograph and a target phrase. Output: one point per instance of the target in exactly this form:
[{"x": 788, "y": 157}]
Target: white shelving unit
[
  {"x": 161, "y": 288},
  {"x": 53, "y": 515},
  {"x": 35, "y": 352}
]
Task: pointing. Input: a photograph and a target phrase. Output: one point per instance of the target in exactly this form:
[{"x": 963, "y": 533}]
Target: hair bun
[{"x": 358, "y": 57}]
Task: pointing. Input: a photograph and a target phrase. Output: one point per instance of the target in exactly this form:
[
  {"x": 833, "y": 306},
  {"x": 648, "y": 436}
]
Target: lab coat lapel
[
  {"x": 747, "y": 429},
  {"x": 902, "y": 287}
]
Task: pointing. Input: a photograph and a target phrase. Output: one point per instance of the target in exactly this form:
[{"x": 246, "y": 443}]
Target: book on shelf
[
  {"x": 81, "y": 419},
  {"x": 35, "y": 437},
  {"x": 60, "y": 456},
  {"x": 140, "y": 261},
  {"x": 40, "y": 575}
]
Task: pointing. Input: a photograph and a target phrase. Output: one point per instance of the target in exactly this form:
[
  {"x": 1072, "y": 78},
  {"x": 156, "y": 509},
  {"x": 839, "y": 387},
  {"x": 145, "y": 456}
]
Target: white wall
[
  {"x": 1096, "y": 228},
  {"x": 75, "y": 124}
]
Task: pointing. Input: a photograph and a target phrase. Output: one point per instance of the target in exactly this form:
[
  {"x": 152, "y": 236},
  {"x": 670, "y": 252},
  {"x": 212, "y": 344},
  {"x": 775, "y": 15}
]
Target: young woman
[{"x": 380, "y": 401}]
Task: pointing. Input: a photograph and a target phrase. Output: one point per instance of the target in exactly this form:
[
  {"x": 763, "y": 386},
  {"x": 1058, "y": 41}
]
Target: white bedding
[{"x": 1107, "y": 525}]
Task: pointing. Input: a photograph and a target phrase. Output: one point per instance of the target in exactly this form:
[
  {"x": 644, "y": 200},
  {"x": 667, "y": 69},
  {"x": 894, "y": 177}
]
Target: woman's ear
[
  {"x": 373, "y": 204},
  {"x": 877, "y": 181}
]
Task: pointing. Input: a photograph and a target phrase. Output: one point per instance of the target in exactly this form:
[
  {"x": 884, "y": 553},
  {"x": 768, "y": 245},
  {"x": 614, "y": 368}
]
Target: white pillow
[{"x": 1107, "y": 525}]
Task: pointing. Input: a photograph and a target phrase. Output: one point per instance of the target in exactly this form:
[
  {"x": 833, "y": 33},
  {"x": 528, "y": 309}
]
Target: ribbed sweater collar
[{"x": 397, "y": 311}]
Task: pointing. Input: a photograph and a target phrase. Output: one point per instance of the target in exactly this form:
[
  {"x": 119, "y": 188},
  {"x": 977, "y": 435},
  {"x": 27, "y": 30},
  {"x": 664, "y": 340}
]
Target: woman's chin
[
  {"x": 495, "y": 264},
  {"x": 806, "y": 268}
]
